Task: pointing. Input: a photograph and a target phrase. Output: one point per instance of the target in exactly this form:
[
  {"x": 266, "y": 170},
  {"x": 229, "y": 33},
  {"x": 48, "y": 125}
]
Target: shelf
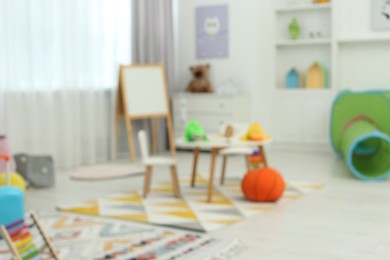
[
  {"x": 303, "y": 42},
  {"x": 364, "y": 39},
  {"x": 307, "y": 7},
  {"x": 303, "y": 90}
]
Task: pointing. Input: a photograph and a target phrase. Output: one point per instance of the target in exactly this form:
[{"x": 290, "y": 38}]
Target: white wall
[
  {"x": 355, "y": 17},
  {"x": 250, "y": 62},
  {"x": 362, "y": 65}
]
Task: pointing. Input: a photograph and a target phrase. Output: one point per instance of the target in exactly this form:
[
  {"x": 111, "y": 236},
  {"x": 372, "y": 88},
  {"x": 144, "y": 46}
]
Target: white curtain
[
  {"x": 153, "y": 42},
  {"x": 58, "y": 72}
]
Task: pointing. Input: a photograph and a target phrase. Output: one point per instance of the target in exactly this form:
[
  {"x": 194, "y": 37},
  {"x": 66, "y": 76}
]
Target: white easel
[{"x": 143, "y": 94}]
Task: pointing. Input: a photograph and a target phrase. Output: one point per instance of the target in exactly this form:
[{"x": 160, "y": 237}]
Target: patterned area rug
[
  {"x": 106, "y": 172},
  {"x": 191, "y": 212},
  {"x": 82, "y": 238}
]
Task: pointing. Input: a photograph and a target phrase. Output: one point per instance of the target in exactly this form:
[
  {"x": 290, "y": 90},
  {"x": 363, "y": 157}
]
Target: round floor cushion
[{"x": 263, "y": 185}]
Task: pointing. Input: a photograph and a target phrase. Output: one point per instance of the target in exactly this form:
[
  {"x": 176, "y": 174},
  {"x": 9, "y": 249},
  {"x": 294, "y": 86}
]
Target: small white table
[{"x": 215, "y": 144}]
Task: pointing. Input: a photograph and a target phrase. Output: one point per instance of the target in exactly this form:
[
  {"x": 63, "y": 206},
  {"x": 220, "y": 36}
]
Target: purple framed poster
[{"x": 212, "y": 32}]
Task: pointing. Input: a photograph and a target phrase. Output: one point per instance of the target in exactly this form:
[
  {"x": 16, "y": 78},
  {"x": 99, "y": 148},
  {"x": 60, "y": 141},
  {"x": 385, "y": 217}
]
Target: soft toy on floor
[
  {"x": 263, "y": 185},
  {"x": 194, "y": 132},
  {"x": 200, "y": 82},
  {"x": 255, "y": 133},
  {"x": 16, "y": 181},
  {"x": 255, "y": 160}
]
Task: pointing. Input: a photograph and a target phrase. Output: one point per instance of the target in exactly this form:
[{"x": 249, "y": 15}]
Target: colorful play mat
[
  {"x": 80, "y": 238},
  {"x": 191, "y": 212}
]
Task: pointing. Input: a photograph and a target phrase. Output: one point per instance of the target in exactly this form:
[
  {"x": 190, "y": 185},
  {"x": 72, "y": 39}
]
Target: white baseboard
[{"x": 301, "y": 147}]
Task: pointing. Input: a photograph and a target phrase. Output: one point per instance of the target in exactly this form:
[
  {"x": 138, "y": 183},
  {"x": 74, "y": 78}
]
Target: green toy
[
  {"x": 294, "y": 29},
  {"x": 194, "y": 132},
  {"x": 360, "y": 133}
]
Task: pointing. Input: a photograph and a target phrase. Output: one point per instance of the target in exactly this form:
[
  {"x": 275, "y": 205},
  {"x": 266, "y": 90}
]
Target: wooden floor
[{"x": 348, "y": 219}]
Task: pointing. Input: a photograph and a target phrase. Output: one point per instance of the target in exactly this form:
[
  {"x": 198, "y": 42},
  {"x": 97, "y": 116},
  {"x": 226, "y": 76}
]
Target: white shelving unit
[
  {"x": 363, "y": 39},
  {"x": 303, "y": 7},
  {"x": 312, "y": 18},
  {"x": 303, "y": 42},
  {"x": 300, "y": 116},
  {"x": 303, "y": 90},
  {"x": 351, "y": 45}
]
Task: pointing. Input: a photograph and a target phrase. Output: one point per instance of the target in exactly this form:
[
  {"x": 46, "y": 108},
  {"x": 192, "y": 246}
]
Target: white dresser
[{"x": 211, "y": 110}]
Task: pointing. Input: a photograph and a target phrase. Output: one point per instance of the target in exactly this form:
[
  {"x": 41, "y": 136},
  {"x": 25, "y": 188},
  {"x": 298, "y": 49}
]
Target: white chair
[
  {"x": 151, "y": 161},
  {"x": 239, "y": 130},
  {"x": 245, "y": 151}
]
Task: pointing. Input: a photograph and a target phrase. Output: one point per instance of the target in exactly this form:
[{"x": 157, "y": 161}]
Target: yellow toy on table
[{"x": 255, "y": 133}]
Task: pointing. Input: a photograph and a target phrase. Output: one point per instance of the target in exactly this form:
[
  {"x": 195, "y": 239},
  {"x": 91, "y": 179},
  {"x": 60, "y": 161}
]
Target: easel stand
[
  {"x": 143, "y": 94},
  {"x": 18, "y": 237}
]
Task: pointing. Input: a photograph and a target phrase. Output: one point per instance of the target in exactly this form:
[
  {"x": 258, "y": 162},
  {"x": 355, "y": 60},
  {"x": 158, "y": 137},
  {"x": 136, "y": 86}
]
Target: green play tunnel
[{"x": 360, "y": 133}]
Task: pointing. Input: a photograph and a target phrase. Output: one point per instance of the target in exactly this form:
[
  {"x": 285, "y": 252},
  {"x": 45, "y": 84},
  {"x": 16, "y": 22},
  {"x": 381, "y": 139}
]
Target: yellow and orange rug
[{"x": 189, "y": 212}]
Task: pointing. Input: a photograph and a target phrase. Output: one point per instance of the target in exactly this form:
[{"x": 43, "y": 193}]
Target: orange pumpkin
[{"x": 263, "y": 185}]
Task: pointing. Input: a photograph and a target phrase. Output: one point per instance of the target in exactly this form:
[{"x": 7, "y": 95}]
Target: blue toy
[{"x": 11, "y": 199}]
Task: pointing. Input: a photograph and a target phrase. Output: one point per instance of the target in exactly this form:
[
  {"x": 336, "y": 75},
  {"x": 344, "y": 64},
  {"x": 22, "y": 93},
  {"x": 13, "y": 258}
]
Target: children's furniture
[
  {"x": 151, "y": 161},
  {"x": 360, "y": 132},
  {"x": 19, "y": 238},
  {"x": 211, "y": 110},
  {"x": 143, "y": 94},
  {"x": 239, "y": 131},
  {"x": 245, "y": 151},
  {"x": 216, "y": 143}
]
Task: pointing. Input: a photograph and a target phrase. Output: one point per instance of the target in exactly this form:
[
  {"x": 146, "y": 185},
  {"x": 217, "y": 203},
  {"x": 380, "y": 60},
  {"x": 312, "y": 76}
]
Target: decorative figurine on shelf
[
  {"x": 294, "y": 29},
  {"x": 195, "y": 132},
  {"x": 200, "y": 82},
  {"x": 316, "y": 35},
  {"x": 316, "y": 77},
  {"x": 293, "y": 79}
]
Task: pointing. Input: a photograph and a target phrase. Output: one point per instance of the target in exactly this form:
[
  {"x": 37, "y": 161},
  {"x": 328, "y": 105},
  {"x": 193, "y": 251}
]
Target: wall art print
[
  {"x": 380, "y": 14},
  {"x": 212, "y": 31}
]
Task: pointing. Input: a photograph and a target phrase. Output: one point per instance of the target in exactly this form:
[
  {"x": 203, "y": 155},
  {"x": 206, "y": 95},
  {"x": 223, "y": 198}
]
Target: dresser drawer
[
  {"x": 180, "y": 122},
  {"x": 205, "y": 105},
  {"x": 211, "y": 123},
  {"x": 212, "y": 111}
]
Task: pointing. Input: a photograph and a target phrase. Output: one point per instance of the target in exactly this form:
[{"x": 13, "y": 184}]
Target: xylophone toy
[{"x": 19, "y": 238}]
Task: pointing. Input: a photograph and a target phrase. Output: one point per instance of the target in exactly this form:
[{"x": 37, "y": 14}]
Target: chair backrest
[{"x": 144, "y": 145}]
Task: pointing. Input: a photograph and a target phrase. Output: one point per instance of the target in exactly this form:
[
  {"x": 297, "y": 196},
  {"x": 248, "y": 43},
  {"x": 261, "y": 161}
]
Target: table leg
[
  {"x": 155, "y": 135},
  {"x": 225, "y": 157},
  {"x": 262, "y": 153},
  {"x": 194, "y": 167},
  {"x": 248, "y": 166},
  {"x": 214, "y": 153}
]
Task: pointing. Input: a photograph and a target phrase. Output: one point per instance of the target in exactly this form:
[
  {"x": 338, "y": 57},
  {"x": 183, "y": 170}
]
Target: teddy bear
[{"x": 200, "y": 82}]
